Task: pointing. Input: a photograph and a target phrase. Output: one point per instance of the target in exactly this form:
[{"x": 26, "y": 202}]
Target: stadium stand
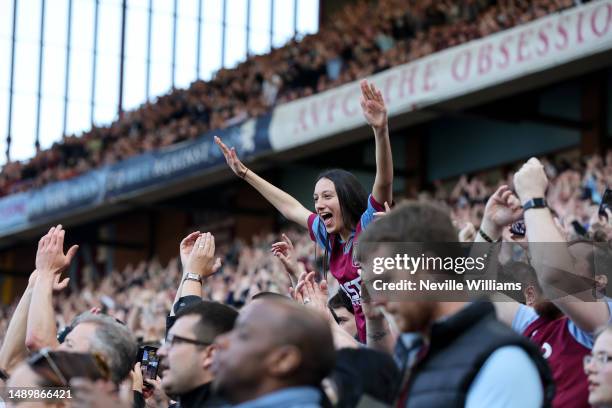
[{"x": 366, "y": 38}]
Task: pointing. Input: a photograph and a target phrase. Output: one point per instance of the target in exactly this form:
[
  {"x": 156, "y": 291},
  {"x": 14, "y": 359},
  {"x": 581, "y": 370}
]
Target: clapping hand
[
  {"x": 284, "y": 251},
  {"x": 187, "y": 246},
  {"x": 313, "y": 295},
  {"x": 202, "y": 257}
]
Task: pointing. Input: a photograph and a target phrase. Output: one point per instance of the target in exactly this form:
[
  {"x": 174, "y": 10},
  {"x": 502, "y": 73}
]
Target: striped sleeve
[{"x": 368, "y": 216}]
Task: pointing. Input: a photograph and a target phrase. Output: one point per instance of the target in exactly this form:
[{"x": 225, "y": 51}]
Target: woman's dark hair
[{"x": 352, "y": 197}]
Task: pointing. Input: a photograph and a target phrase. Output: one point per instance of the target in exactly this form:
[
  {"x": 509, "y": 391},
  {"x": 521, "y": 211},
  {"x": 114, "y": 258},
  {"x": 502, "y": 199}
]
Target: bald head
[
  {"x": 275, "y": 344},
  {"x": 299, "y": 326}
]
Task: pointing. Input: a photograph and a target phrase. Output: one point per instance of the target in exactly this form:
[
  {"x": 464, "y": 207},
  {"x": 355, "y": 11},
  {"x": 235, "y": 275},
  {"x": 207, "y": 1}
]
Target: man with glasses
[
  {"x": 598, "y": 369},
  {"x": 188, "y": 351}
]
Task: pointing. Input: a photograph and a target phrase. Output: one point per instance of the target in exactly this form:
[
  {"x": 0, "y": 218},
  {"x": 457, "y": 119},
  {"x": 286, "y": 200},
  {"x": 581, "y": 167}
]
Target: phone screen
[{"x": 149, "y": 362}]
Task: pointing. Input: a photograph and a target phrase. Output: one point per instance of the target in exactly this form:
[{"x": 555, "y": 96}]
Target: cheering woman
[{"x": 343, "y": 207}]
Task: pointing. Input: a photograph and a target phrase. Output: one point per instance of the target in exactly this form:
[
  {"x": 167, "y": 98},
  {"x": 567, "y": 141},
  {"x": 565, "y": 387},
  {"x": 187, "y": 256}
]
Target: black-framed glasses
[
  {"x": 44, "y": 354},
  {"x": 599, "y": 359},
  {"x": 173, "y": 339}
]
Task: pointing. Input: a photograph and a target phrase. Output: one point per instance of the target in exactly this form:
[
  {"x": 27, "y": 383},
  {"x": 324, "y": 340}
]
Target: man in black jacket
[
  {"x": 187, "y": 354},
  {"x": 452, "y": 354}
]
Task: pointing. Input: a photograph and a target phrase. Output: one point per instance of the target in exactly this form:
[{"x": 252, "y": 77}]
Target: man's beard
[{"x": 547, "y": 310}]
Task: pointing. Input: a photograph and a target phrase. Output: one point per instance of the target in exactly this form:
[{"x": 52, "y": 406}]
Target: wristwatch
[
  {"x": 193, "y": 277},
  {"x": 535, "y": 203}
]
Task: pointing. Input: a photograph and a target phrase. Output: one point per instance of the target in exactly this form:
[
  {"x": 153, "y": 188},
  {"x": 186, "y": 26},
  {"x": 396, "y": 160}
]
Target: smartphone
[
  {"x": 606, "y": 203},
  {"x": 518, "y": 228},
  {"x": 149, "y": 361},
  {"x": 580, "y": 230}
]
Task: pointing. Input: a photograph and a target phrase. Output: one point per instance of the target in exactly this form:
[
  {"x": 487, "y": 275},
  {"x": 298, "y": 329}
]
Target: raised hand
[
  {"x": 232, "y": 158},
  {"x": 530, "y": 181},
  {"x": 283, "y": 250},
  {"x": 502, "y": 209},
  {"x": 202, "y": 258},
  {"x": 315, "y": 295},
  {"x": 295, "y": 291},
  {"x": 380, "y": 214},
  {"x": 50, "y": 257},
  {"x": 373, "y": 105},
  {"x": 187, "y": 246}
]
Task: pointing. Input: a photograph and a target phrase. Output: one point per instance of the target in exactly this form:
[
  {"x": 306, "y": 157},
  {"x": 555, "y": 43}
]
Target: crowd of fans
[
  {"x": 575, "y": 192},
  {"x": 297, "y": 320},
  {"x": 140, "y": 296},
  {"x": 139, "y": 293},
  {"x": 362, "y": 39}
]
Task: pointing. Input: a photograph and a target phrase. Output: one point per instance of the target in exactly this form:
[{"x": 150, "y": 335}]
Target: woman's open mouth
[{"x": 327, "y": 218}]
